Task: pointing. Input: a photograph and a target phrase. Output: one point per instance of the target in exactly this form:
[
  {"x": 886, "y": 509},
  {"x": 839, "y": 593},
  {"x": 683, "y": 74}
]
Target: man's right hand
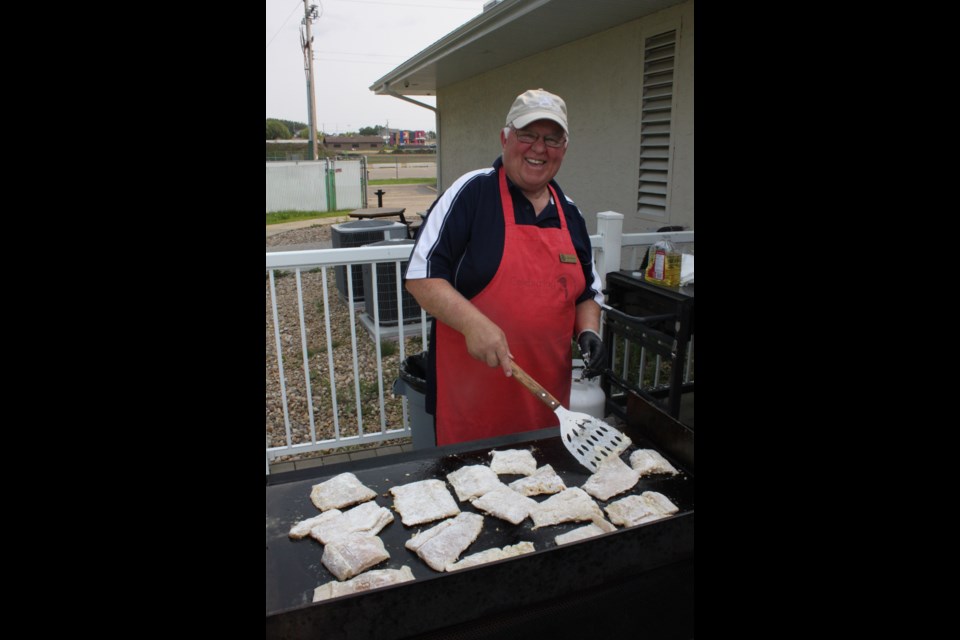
[{"x": 487, "y": 343}]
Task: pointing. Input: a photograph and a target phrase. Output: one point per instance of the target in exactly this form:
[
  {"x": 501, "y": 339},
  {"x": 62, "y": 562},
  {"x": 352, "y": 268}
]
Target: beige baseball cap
[{"x": 537, "y": 104}]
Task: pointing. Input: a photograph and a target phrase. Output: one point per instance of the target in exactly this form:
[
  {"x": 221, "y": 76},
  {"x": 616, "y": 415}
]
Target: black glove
[{"x": 593, "y": 352}]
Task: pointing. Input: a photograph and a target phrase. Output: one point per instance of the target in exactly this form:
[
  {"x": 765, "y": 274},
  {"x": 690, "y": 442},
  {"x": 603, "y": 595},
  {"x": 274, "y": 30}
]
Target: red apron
[{"x": 532, "y": 298}]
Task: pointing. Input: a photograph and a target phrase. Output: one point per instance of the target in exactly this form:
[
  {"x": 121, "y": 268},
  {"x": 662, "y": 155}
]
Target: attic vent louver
[{"x": 655, "y": 117}]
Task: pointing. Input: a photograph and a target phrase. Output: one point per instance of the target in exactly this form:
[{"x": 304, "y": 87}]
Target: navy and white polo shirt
[{"x": 461, "y": 239}]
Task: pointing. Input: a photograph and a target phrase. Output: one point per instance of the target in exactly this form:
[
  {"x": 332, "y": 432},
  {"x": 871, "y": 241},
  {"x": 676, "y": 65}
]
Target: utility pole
[{"x": 306, "y": 42}]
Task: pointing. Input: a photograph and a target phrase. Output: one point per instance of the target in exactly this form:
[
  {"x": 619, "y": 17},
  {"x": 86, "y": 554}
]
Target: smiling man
[{"x": 503, "y": 264}]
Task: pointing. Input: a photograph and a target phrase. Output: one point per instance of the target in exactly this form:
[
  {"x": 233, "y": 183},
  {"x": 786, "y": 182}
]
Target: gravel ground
[
  {"x": 316, "y": 233},
  {"x": 344, "y": 373}
]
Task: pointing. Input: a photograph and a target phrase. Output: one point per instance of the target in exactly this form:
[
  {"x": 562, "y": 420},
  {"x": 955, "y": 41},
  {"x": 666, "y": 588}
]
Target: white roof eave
[{"x": 509, "y": 31}]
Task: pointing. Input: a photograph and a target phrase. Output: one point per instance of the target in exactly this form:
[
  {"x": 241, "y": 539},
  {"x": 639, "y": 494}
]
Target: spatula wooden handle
[{"x": 534, "y": 387}]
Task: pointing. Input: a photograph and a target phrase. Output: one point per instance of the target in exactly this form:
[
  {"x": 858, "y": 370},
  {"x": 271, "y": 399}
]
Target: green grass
[
  {"x": 431, "y": 181},
  {"x": 388, "y": 348},
  {"x": 369, "y": 389},
  {"x": 276, "y": 217}
]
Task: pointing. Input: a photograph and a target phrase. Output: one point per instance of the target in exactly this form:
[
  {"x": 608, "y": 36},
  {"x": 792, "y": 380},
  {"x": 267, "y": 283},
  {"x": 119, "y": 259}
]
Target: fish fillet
[
  {"x": 506, "y": 504},
  {"x": 490, "y": 555},
  {"x": 646, "y": 507},
  {"x": 595, "y": 528},
  {"x": 517, "y": 461},
  {"x": 364, "y": 582},
  {"x": 473, "y": 481},
  {"x": 613, "y": 476},
  {"x": 369, "y": 518},
  {"x": 423, "y": 501},
  {"x": 302, "y": 528},
  {"x": 353, "y": 554},
  {"x": 544, "y": 480},
  {"x": 340, "y": 491},
  {"x": 648, "y": 461},
  {"x": 569, "y": 505},
  {"x": 442, "y": 544}
]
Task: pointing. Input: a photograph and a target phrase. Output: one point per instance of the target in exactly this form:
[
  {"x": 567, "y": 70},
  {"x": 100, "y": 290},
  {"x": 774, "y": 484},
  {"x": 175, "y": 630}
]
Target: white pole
[{"x": 610, "y": 228}]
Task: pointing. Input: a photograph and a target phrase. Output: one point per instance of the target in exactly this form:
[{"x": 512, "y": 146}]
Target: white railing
[
  {"x": 301, "y": 433},
  {"x": 302, "y": 429}
]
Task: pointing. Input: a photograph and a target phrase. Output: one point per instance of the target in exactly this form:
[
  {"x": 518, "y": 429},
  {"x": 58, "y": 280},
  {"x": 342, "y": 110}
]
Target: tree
[
  {"x": 293, "y": 125},
  {"x": 277, "y": 130},
  {"x": 371, "y": 131}
]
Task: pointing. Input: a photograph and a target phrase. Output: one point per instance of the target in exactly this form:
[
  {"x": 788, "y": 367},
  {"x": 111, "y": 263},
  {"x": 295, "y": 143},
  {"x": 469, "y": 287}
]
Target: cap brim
[{"x": 527, "y": 118}]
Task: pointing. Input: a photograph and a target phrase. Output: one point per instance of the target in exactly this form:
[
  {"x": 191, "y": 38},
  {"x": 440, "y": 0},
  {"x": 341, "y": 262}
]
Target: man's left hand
[{"x": 593, "y": 352}]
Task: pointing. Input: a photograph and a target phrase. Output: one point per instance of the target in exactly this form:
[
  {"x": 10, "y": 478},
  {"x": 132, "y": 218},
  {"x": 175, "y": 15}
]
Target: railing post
[{"x": 610, "y": 228}]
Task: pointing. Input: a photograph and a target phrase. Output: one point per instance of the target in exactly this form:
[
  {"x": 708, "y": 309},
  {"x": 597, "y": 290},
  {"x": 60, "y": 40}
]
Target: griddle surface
[{"x": 294, "y": 568}]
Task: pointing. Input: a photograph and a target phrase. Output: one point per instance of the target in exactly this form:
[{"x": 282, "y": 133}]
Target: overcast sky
[{"x": 355, "y": 43}]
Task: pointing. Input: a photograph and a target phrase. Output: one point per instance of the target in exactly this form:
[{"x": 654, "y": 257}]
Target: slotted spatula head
[{"x": 589, "y": 439}]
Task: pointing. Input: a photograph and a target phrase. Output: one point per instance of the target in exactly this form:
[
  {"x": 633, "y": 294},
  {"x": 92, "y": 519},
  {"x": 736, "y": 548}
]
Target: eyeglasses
[{"x": 529, "y": 137}]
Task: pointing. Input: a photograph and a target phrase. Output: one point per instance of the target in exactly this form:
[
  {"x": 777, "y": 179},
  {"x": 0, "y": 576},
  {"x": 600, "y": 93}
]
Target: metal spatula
[{"x": 589, "y": 439}]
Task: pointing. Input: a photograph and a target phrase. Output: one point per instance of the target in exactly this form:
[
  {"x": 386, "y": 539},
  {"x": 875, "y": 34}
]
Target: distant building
[
  {"x": 353, "y": 143},
  {"x": 403, "y": 138}
]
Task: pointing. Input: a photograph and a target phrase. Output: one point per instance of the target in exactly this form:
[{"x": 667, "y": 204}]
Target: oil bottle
[{"x": 664, "y": 264}]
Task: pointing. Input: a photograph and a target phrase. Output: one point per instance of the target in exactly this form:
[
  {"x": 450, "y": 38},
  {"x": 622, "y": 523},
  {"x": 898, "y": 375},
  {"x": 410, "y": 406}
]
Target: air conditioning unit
[
  {"x": 387, "y": 289},
  {"x": 358, "y": 233}
]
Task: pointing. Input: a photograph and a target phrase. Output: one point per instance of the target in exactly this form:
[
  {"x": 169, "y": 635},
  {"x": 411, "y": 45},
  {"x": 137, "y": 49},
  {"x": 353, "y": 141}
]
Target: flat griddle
[{"x": 294, "y": 568}]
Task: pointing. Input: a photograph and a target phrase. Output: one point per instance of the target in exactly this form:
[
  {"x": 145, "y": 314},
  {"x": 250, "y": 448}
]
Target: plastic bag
[
  {"x": 686, "y": 269},
  {"x": 413, "y": 371},
  {"x": 663, "y": 264}
]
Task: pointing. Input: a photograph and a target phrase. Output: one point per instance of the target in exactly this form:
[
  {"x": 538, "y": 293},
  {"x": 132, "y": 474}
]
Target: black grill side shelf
[{"x": 661, "y": 321}]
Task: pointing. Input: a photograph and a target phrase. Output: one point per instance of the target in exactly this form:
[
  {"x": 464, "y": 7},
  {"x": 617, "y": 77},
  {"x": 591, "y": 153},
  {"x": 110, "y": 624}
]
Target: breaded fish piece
[
  {"x": 506, "y": 504},
  {"x": 302, "y": 529},
  {"x": 612, "y": 476},
  {"x": 490, "y": 555},
  {"x": 340, "y": 491},
  {"x": 352, "y": 554},
  {"x": 569, "y": 505},
  {"x": 442, "y": 544},
  {"x": 423, "y": 501},
  {"x": 543, "y": 480},
  {"x": 472, "y": 481},
  {"x": 368, "y": 517},
  {"x": 646, "y": 507},
  {"x": 649, "y": 461},
  {"x": 595, "y": 528},
  {"x": 363, "y": 582},
  {"x": 517, "y": 461}
]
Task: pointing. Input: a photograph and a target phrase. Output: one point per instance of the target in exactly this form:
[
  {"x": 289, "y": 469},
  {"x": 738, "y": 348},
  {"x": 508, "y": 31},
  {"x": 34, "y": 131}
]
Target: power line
[
  {"x": 380, "y": 62},
  {"x": 295, "y": 7},
  {"x": 403, "y": 5},
  {"x": 350, "y": 53},
  {"x": 363, "y": 58}
]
